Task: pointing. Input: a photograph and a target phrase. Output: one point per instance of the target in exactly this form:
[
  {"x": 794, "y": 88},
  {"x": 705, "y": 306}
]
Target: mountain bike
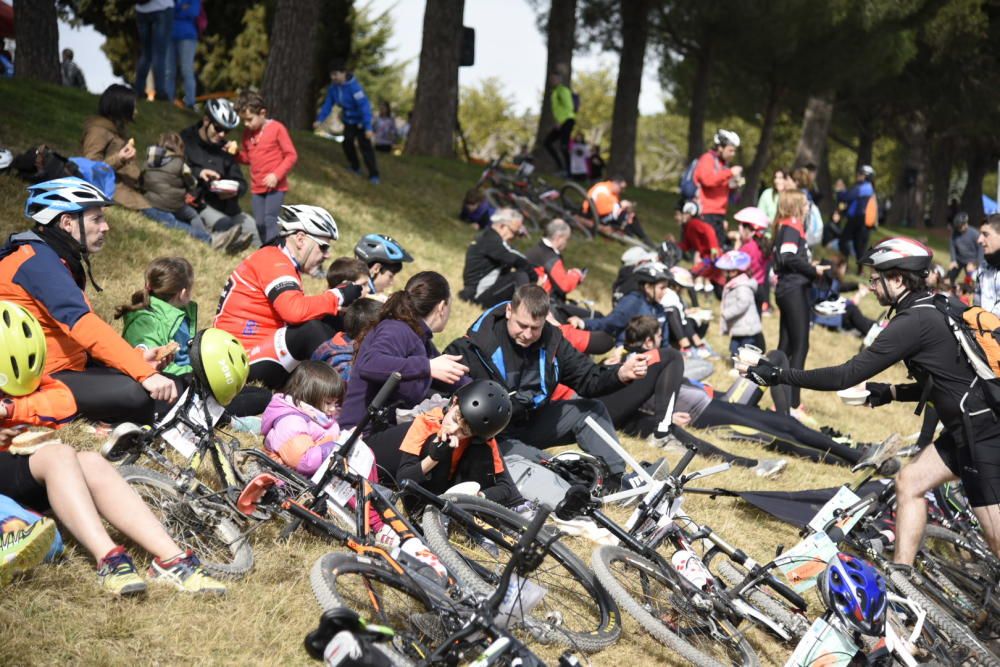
[{"x": 428, "y": 625}]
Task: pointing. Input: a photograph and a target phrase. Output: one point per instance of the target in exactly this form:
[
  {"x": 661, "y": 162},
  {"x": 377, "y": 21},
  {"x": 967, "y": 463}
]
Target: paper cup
[{"x": 853, "y": 396}]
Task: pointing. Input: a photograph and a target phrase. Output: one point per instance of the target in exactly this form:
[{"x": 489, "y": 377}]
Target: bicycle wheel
[
  {"x": 206, "y": 528},
  {"x": 384, "y": 597},
  {"x": 967, "y": 573},
  {"x": 759, "y": 596},
  {"x": 963, "y": 640},
  {"x": 575, "y": 610},
  {"x": 663, "y": 608}
]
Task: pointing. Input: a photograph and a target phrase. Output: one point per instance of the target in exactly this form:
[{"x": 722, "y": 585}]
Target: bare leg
[
  {"x": 122, "y": 507},
  {"x": 989, "y": 520},
  {"x": 914, "y": 480}
]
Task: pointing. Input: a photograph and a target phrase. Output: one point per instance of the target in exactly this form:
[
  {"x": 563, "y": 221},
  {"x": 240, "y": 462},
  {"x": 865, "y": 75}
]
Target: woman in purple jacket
[{"x": 401, "y": 340}]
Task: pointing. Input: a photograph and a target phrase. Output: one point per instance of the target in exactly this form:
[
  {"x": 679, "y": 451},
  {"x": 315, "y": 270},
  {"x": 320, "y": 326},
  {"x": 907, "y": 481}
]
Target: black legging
[
  {"x": 856, "y": 320},
  {"x": 791, "y": 436},
  {"x": 561, "y": 135},
  {"x": 854, "y": 239},
  {"x": 707, "y": 449},
  {"x": 302, "y": 340},
  {"x": 661, "y": 383},
  {"x": 793, "y": 339},
  {"x": 108, "y": 395},
  {"x": 356, "y": 133},
  {"x": 503, "y": 289}
]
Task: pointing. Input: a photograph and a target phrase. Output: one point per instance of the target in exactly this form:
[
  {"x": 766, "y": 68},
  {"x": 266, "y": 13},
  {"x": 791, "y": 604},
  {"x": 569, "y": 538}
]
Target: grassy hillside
[{"x": 58, "y": 615}]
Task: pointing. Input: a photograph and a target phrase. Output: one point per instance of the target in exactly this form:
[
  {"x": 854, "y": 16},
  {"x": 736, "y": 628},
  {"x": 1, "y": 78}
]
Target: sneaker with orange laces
[{"x": 186, "y": 573}]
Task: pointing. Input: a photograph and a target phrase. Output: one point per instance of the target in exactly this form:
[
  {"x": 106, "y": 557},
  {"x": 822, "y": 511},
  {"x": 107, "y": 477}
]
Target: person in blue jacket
[
  {"x": 652, "y": 282},
  {"x": 355, "y": 113},
  {"x": 181, "y": 48},
  {"x": 854, "y": 237}
]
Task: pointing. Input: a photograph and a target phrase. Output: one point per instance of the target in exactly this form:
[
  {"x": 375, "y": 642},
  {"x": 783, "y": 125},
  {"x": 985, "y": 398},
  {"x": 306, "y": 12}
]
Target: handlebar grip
[
  {"x": 683, "y": 463},
  {"x": 387, "y": 390},
  {"x": 535, "y": 527},
  {"x": 786, "y": 592}
]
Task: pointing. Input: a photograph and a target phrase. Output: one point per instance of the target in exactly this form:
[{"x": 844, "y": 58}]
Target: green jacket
[
  {"x": 158, "y": 325},
  {"x": 562, "y": 104}
]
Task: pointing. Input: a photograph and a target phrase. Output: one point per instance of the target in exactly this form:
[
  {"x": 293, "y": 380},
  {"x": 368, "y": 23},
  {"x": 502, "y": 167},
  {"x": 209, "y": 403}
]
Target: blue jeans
[
  {"x": 266, "y": 208},
  {"x": 180, "y": 53},
  {"x": 167, "y": 219},
  {"x": 155, "y": 29}
]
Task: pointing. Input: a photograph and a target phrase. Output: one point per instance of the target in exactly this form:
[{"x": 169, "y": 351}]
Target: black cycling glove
[
  {"x": 440, "y": 450},
  {"x": 348, "y": 293},
  {"x": 879, "y": 393},
  {"x": 764, "y": 373}
]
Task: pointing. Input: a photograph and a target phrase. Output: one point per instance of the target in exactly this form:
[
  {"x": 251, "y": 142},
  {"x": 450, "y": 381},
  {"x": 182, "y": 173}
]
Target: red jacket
[
  {"x": 269, "y": 150},
  {"x": 711, "y": 175}
]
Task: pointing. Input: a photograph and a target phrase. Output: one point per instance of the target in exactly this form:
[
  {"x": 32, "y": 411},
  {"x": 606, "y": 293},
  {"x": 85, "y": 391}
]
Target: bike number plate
[
  {"x": 181, "y": 437},
  {"x": 823, "y": 646},
  {"x": 361, "y": 461},
  {"x": 843, "y": 499},
  {"x": 804, "y": 562}
]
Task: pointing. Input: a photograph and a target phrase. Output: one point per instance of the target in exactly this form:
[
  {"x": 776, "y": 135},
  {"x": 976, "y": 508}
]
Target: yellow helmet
[
  {"x": 22, "y": 350},
  {"x": 220, "y": 363}
]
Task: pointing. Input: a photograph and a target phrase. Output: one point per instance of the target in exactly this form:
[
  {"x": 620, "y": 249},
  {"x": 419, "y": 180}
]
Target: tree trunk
[
  {"x": 761, "y": 157},
  {"x": 36, "y": 31},
  {"x": 625, "y": 120},
  {"x": 940, "y": 179},
  {"x": 561, "y": 36},
  {"x": 435, "y": 108},
  {"x": 908, "y": 200},
  {"x": 978, "y": 165},
  {"x": 866, "y": 142},
  {"x": 288, "y": 77},
  {"x": 815, "y": 127},
  {"x": 699, "y": 96}
]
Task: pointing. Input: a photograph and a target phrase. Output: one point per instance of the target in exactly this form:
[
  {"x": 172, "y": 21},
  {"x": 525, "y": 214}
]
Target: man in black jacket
[
  {"x": 212, "y": 159},
  {"x": 493, "y": 269},
  {"x": 514, "y": 345}
]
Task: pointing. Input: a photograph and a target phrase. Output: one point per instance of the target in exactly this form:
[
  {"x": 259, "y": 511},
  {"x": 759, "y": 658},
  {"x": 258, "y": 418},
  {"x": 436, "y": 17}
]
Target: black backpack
[{"x": 41, "y": 163}]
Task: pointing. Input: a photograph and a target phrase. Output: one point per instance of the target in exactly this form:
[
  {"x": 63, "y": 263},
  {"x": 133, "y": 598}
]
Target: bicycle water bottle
[{"x": 691, "y": 568}]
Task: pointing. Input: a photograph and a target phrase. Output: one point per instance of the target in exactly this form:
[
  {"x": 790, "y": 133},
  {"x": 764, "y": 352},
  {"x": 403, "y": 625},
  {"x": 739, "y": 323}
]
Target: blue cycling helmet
[
  {"x": 380, "y": 248},
  {"x": 854, "y": 590},
  {"x": 50, "y": 199},
  {"x": 734, "y": 260}
]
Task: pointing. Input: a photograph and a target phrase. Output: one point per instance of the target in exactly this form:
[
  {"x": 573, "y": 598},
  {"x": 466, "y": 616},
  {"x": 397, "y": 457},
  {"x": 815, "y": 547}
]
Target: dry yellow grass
[{"x": 57, "y": 615}]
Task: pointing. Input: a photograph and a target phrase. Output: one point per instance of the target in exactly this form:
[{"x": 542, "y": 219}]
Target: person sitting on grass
[
  {"x": 444, "y": 447},
  {"x": 476, "y": 208},
  {"x": 652, "y": 281},
  {"x": 81, "y": 488},
  {"x": 384, "y": 257},
  {"x": 493, "y": 269},
  {"x": 338, "y": 352}
]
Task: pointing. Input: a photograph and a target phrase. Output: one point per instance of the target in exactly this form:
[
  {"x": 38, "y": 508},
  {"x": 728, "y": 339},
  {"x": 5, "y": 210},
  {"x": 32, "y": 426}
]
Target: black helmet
[
  {"x": 961, "y": 218},
  {"x": 651, "y": 272},
  {"x": 669, "y": 253},
  {"x": 580, "y": 468},
  {"x": 485, "y": 407},
  {"x": 899, "y": 253}
]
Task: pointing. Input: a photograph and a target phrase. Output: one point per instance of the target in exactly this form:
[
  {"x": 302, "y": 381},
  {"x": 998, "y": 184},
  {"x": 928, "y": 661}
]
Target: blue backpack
[
  {"x": 98, "y": 174},
  {"x": 689, "y": 189}
]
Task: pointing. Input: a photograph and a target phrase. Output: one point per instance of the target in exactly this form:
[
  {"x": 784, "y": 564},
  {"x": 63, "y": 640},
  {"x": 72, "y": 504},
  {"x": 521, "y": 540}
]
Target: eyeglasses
[{"x": 324, "y": 246}]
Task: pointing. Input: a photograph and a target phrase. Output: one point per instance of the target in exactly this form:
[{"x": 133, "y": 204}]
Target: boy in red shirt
[
  {"x": 699, "y": 237},
  {"x": 267, "y": 147}
]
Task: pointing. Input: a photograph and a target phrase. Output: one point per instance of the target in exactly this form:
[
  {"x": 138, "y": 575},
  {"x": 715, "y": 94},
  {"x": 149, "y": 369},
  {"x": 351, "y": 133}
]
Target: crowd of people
[{"x": 525, "y": 376}]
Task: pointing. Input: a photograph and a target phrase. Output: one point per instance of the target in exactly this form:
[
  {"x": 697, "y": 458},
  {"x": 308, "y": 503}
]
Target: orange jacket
[
  {"x": 33, "y": 276},
  {"x": 427, "y": 425},
  {"x": 52, "y": 405},
  {"x": 606, "y": 202}
]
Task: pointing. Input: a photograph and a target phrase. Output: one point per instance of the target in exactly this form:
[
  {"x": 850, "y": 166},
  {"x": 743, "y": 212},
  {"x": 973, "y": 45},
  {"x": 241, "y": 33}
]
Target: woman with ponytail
[{"x": 401, "y": 339}]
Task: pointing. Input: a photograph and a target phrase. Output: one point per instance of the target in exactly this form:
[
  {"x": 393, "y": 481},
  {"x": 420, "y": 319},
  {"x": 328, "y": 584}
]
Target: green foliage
[
  {"x": 597, "y": 102},
  {"x": 383, "y": 79},
  {"x": 490, "y": 122},
  {"x": 241, "y": 63}
]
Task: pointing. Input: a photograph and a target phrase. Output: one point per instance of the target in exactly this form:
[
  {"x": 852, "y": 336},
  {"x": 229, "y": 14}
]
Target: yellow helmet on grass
[{"x": 22, "y": 350}]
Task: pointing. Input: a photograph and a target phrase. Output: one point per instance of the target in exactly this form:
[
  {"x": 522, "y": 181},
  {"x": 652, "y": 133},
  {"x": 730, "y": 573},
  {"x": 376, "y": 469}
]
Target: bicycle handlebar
[{"x": 683, "y": 463}]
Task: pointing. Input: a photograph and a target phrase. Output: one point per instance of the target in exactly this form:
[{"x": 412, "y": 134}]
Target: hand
[
  {"x": 448, "y": 368},
  {"x": 543, "y": 279},
  {"x": 208, "y": 175},
  {"x": 821, "y": 268},
  {"x": 440, "y": 450},
  {"x": 764, "y": 374},
  {"x": 681, "y": 418},
  {"x": 580, "y": 273},
  {"x": 126, "y": 153},
  {"x": 576, "y": 322},
  {"x": 150, "y": 355},
  {"x": 160, "y": 388},
  {"x": 953, "y": 266},
  {"x": 369, "y": 135},
  {"x": 271, "y": 181},
  {"x": 347, "y": 293},
  {"x": 880, "y": 393},
  {"x": 634, "y": 368},
  {"x": 6, "y": 435},
  {"x": 737, "y": 171}
]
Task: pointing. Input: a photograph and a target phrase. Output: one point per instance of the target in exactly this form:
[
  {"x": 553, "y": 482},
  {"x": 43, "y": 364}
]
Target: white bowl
[
  {"x": 853, "y": 396},
  {"x": 465, "y": 488},
  {"x": 225, "y": 185}
]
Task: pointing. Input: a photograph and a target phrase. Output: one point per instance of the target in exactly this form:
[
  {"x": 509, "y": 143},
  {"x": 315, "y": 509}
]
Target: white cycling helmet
[
  {"x": 681, "y": 276},
  {"x": 636, "y": 255},
  {"x": 832, "y": 307},
  {"x": 312, "y": 220},
  {"x": 50, "y": 199},
  {"x": 899, "y": 253},
  {"x": 222, "y": 113},
  {"x": 726, "y": 138},
  {"x": 691, "y": 208},
  {"x": 6, "y": 157}
]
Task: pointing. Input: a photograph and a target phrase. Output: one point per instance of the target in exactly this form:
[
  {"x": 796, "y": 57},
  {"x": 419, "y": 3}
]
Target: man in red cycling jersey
[{"x": 263, "y": 304}]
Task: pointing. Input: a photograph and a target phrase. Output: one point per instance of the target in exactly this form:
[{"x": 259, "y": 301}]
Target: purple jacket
[
  {"x": 390, "y": 346},
  {"x": 283, "y": 420}
]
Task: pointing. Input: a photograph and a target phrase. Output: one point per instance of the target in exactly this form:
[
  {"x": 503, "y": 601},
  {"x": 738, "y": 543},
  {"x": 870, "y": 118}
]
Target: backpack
[
  {"x": 99, "y": 174},
  {"x": 535, "y": 481},
  {"x": 814, "y": 226},
  {"x": 41, "y": 163},
  {"x": 871, "y": 212},
  {"x": 689, "y": 189}
]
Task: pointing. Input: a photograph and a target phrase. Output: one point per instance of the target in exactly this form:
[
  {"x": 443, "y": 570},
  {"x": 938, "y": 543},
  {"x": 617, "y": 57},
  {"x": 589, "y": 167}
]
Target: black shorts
[
  {"x": 16, "y": 482},
  {"x": 977, "y": 465}
]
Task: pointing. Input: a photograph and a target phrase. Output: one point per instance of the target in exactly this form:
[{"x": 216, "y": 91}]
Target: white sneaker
[{"x": 386, "y": 537}]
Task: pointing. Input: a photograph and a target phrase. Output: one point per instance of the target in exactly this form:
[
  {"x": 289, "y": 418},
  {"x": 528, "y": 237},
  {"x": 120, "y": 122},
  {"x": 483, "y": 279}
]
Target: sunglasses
[
  {"x": 324, "y": 246},
  {"x": 217, "y": 129}
]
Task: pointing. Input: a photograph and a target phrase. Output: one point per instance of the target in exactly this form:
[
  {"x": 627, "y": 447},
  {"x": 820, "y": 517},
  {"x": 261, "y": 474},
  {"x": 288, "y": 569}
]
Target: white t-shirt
[
  {"x": 154, "y": 6},
  {"x": 988, "y": 288},
  {"x": 578, "y": 155}
]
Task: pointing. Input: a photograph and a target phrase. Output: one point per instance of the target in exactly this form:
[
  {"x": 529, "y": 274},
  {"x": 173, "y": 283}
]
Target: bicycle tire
[
  {"x": 599, "y": 620},
  {"x": 966, "y": 573},
  {"x": 217, "y": 540},
  {"x": 329, "y": 578},
  {"x": 736, "y": 650},
  {"x": 770, "y": 605},
  {"x": 944, "y": 622}
]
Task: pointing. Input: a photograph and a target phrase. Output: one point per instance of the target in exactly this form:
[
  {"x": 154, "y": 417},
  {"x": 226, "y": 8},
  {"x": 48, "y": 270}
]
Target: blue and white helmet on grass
[
  {"x": 50, "y": 199},
  {"x": 380, "y": 248},
  {"x": 855, "y": 591}
]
